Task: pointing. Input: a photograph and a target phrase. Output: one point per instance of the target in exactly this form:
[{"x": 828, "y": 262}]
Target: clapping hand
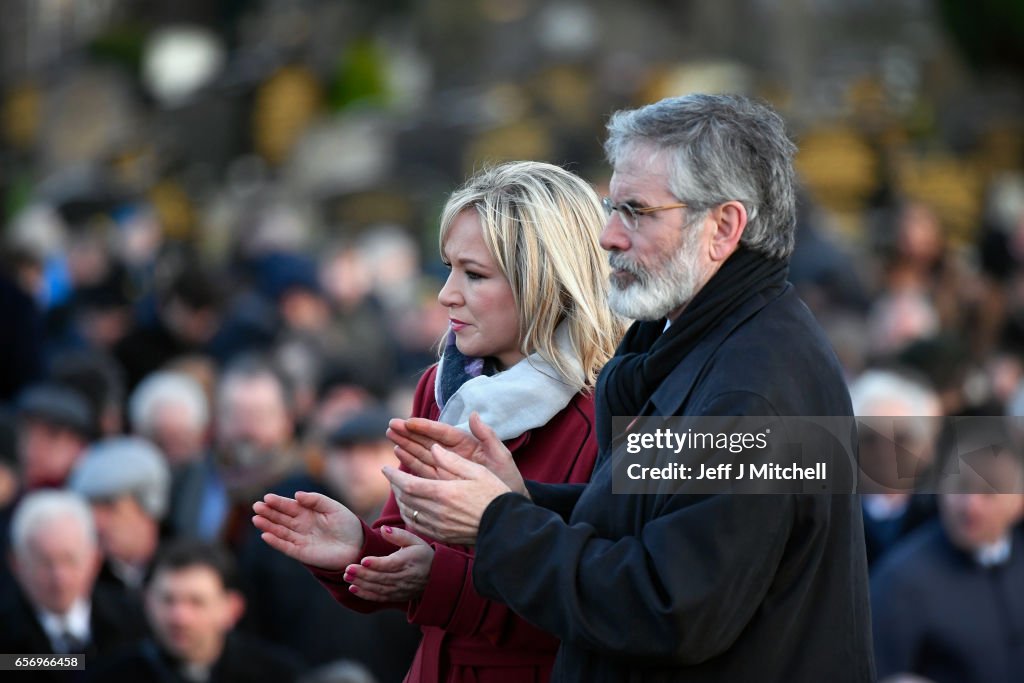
[
  {"x": 398, "y": 577},
  {"x": 450, "y": 506},
  {"x": 311, "y": 528},
  {"x": 414, "y": 438}
]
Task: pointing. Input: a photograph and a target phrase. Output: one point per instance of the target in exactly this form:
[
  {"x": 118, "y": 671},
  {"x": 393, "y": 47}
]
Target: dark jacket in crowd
[
  {"x": 244, "y": 660},
  {"x": 21, "y": 632},
  {"x": 940, "y": 614},
  {"x": 21, "y": 340},
  {"x": 882, "y": 535},
  {"x": 684, "y": 587},
  {"x": 287, "y": 605}
]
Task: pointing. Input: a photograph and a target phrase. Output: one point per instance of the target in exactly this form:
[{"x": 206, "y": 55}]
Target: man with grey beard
[{"x": 674, "y": 586}]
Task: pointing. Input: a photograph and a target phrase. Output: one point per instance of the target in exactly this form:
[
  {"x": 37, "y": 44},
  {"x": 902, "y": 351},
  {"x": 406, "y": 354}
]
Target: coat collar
[{"x": 673, "y": 392}]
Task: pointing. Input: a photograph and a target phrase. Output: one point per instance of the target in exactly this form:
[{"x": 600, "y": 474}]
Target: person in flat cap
[
  {"x": 127, "y": 483},
  {"x": 356, "y": 450},
  {"x": 55, "y": 424}
]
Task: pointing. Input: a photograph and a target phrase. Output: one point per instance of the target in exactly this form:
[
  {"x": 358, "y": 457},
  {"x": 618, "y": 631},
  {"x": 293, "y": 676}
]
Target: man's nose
[{"x": 615, "y": 237}]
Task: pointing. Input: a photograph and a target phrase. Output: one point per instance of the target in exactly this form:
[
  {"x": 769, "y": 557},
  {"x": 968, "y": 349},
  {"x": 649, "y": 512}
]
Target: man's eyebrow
[{"x": 632, "y": 201}]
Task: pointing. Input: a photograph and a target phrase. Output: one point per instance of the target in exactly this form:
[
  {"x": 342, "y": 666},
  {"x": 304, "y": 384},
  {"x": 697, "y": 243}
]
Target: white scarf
[{"x": 514, "y": 401}]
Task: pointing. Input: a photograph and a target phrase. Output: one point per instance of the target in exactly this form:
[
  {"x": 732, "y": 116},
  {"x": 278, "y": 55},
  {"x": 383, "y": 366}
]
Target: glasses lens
[
  {"x": 608, "y": 205},
  {"x": 628, "y": 216},
  {"x": 625, "y": 212}
]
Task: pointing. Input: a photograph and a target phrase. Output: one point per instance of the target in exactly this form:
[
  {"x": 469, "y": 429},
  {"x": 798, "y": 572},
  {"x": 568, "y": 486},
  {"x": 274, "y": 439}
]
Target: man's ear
[
  {"x": 236, "y": 606},
  {"x": 730, "y": 222}
]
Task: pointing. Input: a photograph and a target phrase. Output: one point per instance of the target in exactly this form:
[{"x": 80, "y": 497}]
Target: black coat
[
  {"x": 244, "y": 660},
  {"x": 941, "y": 615},
  {"x": 699, "y": 588},
  {"x": 880, "y": 536},
  {"x": 21, "y": 632},
  {"x": 21, "y": 340}
]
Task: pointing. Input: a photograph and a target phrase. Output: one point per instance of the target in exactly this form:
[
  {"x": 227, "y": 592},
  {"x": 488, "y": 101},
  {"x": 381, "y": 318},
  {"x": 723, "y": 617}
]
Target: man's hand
[
  {"x": 311, "y": 528},
  {"x": 399, "y": 577},
  {"x": 447, "y": 509},
  {"x": 414, "y": 438}
]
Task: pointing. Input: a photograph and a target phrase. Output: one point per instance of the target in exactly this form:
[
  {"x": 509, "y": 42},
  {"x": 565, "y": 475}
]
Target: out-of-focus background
[{"x": 219, "y": 223}]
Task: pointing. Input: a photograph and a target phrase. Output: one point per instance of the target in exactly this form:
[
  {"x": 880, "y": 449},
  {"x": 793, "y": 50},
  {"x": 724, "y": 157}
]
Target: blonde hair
[{"x": 541, "y": 225}]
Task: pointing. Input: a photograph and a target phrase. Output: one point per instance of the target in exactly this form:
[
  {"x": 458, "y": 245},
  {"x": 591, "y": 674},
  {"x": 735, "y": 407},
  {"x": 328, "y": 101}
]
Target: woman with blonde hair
[{"x": 529, "y": 331}]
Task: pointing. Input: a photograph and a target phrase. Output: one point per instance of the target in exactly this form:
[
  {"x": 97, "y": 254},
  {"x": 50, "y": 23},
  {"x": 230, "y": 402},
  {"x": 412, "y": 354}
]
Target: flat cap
[
  {"x": 124, "y": 465},
  {"x": 59, "y": 405},
  {"x": 365, "y": 426}
]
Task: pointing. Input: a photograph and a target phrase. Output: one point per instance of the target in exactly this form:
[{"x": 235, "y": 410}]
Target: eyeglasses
[{"x": 630, "y": 215}]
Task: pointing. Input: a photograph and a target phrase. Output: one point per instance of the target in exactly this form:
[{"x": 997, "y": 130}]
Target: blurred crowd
[{"x": 218, "y": 279}]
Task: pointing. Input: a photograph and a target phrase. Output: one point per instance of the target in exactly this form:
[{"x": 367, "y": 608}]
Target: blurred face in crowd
[
  {"x": 105, "y": 326},
  {"x": 125, "y": 531},
  {"x": 659, "y": 267},
  {"x": 973, "y": 511},
  {"x": 304, "y": 310},
  {"x": 47, "y": 452},
  {"x": 57, "y": 565},
  {"x": 479, "y": 298},
  {"x": 920, "y": 234},
  {"x": 347, "y": 278},
  {"x": 191, "y": 612},
  {"x": 173, "y": 428},
  {"x": 8, "y": 484},
  {"x": 253, "y": 411},
  {"x": 193, "y": 325},
  {"x": 354, "y": 472},
  {"x": 338, "y": 403},
  {"x": 894, "y": 449}
]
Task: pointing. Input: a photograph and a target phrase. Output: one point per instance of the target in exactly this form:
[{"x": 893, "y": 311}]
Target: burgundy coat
[{"x": 467, "y": 638}]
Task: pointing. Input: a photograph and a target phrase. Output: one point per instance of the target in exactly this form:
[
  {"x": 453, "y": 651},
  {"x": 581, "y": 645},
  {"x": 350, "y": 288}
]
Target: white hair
[
  {"x": 43, "y": 507},
  {"x": 921, "y": 404},
  {"x": 168, "y": 387},
  {"x": 875, "y": 386}
]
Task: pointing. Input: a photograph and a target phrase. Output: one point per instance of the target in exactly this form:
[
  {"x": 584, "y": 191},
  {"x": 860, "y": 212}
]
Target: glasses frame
[{"x": 630, "y": 215}]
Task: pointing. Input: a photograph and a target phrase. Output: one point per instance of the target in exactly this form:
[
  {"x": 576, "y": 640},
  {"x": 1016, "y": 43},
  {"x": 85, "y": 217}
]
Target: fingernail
[
  {"x": 387, "y": 529},
  {"x": 365, "y": 562},
  {"x": 348, "y": 577},
  {"x": 353, "y": 589}
]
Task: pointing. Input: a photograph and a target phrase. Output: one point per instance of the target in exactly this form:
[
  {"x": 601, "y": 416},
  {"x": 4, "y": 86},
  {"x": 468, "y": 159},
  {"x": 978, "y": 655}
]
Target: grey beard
[
  {"x": 248, "y": 471},
  {"x": 654, "y": 294}
]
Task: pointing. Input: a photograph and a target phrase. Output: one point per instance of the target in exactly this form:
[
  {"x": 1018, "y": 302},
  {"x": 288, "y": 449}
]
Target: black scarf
[{"x": 646, "y": 355}]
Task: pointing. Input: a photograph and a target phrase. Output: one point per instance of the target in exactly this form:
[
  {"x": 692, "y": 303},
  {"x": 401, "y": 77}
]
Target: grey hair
[
  {"x": 124, "y": 465},
  {"x": 719, "y": 148},
  {"x": 253, "y": 365},
  {"x": 874, "y": 386},
  {"x": 922, "y": 404},
  {"x": 42, "y": 507},
  {"x": 170, "y": 387},
  {"x": 339, "y": 671}
]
